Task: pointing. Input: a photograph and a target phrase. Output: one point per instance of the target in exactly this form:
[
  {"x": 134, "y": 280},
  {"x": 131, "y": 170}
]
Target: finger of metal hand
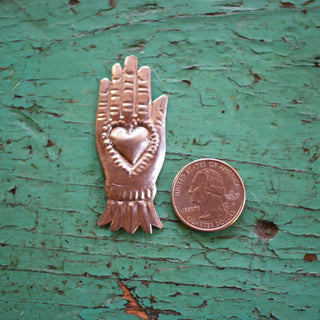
[
  {"x": 159, "y": 110},
  {"x": 102, "y": 112},
  {"x": 104, "y": 100},
  {"x": 129, "y": 80},
  {"x": 116, "y": 93},
  {"x": 143, "y": 93}
]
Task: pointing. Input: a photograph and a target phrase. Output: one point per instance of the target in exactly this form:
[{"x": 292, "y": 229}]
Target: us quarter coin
[{"x": 208, "y": 195}]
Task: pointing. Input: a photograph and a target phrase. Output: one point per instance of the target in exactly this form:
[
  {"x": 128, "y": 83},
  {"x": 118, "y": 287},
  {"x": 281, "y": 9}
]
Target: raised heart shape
[{"x": 132, "y": 143}]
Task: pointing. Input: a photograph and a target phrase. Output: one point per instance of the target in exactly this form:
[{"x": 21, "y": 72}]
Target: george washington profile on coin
[{"x": 208, "y": 191}]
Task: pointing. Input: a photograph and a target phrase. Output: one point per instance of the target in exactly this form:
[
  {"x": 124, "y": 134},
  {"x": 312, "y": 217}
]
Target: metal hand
[{"x": 130, "y": 139}]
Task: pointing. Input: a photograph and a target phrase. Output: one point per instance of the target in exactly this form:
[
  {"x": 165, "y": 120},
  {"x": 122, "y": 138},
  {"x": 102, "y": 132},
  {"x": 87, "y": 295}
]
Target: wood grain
[{"x": 243, "y": 84}]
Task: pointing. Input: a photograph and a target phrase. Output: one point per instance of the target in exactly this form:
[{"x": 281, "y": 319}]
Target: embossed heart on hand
[{"x": 130, "y": 143}]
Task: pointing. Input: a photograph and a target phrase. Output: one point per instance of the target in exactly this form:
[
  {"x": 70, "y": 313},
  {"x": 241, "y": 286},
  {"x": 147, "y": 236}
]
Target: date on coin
[{"x": 208, "y": 195}]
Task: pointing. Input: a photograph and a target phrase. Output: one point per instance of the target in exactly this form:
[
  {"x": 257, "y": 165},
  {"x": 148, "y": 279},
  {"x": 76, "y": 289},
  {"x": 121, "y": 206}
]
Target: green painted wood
[{"x": 243, "y": 84}]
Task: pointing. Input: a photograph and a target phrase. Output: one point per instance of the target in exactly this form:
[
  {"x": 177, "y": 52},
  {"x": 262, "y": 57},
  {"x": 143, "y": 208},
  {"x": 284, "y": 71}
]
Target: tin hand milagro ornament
[{"x": 130, "y": 140}]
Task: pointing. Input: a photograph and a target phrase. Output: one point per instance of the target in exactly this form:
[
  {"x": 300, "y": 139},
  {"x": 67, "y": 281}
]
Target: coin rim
[{"x": 175, "y": 209}]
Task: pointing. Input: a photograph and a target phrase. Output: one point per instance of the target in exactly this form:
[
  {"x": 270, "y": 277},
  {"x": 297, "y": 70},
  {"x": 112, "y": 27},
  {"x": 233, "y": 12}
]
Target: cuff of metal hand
[
  {"x": 129, "y": 193},
  {"x": 130, "y": 215}
]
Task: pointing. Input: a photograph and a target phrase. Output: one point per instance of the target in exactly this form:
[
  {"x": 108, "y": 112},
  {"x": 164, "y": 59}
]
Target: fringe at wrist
[{"x": 130, "y": 215}]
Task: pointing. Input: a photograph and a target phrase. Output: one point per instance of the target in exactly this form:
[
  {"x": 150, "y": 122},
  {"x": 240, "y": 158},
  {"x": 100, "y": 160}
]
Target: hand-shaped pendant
[{"x": 130, "y": 140}]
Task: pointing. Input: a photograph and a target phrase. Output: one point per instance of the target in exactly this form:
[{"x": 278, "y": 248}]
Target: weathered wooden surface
[{"x": 243, "y": 83}]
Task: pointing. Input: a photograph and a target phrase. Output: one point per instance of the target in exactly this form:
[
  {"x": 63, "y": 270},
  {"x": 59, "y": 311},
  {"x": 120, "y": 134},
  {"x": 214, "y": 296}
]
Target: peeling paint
[{"x": 132, "y": 306}]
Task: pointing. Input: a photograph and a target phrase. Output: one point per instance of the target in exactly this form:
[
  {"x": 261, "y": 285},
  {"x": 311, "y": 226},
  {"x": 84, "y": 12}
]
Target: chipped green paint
[{"x": 243, "y": 81}]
